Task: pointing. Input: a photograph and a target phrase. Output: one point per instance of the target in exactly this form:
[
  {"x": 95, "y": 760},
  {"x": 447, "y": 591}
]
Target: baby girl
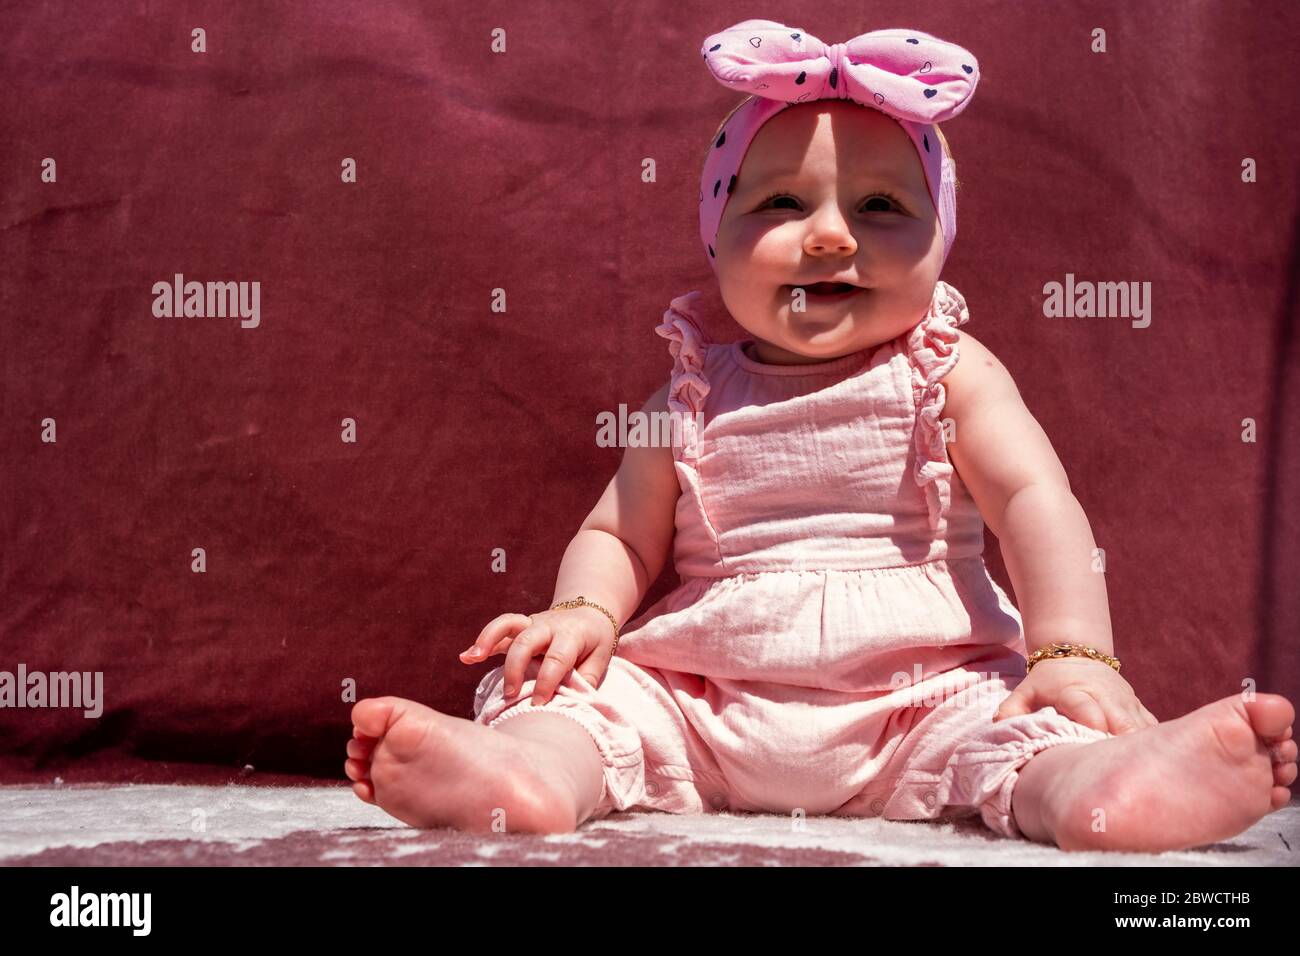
[{"x": 835, "y": 644}]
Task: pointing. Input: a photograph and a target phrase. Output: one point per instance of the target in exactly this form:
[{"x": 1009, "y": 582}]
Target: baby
[{"x": 836, "y": 644}]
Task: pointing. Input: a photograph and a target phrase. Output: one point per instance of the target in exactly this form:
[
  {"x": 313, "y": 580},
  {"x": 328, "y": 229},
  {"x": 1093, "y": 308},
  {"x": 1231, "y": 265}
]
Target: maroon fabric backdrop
[{"x": 521, "y": 171}]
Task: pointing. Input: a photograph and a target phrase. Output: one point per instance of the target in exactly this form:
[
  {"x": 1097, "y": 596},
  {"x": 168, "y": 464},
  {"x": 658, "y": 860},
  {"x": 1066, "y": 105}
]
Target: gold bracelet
[
  {"x": 581, "y": 601},
  {"x": 1069, "y": 650}
]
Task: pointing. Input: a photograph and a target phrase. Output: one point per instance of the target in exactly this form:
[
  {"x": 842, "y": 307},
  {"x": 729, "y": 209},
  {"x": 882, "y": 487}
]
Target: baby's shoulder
[
  {"x": 977, "y": 377},
  {"x": 658, "y": 402}
]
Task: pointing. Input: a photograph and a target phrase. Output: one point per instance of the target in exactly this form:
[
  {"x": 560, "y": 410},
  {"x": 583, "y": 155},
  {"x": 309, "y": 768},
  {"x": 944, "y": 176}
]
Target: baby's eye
[
  {"x": 884, "y": 204},
  {"x": 780, "y": 196}
]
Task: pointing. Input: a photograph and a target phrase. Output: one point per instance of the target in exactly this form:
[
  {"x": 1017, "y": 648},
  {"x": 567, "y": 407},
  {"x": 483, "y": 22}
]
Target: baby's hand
[
  {"x": 567, "y": 635},
  {"x": 1087, "y": 691}
]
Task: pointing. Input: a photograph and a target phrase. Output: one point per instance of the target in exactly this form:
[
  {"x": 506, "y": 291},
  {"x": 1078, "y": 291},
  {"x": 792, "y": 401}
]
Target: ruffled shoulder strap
[
  {"x": 933, "y": 347},
  {"x": 689, "y": 345}
]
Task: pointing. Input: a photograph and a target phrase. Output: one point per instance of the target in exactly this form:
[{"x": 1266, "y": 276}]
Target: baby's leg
[
  {"x": 538, "y": 773},
  {"x": 1205, "y": 776},
  {"x": 650, "y": 754},
  {"x": 1183, "y": 783},
  {"x": 575, "y": 758},
  {"x": 953, "y": 760},
  {"x": 581, "y": 726}
]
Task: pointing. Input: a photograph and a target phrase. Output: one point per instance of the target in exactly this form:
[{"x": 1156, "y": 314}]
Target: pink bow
[{"x": 906, "y": 73}]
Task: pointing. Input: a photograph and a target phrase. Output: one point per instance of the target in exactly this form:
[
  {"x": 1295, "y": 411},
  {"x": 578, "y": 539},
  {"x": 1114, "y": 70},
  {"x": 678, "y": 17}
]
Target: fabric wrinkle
[
  {"x": 689, "y": 387},
  {"x": 933, "y": 343}
]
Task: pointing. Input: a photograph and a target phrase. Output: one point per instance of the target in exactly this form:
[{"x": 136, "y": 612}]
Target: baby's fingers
[
  {"x": 1081, "y": 707},
  {"x": 594, "y": 668},
  {"x": 499, "y": 630},
  {"x": 1122, "y": 718},
  {"x": 477, "y": 656},
  {"x": 528, "y": 643},
  {"x": 557, "y": 663}
]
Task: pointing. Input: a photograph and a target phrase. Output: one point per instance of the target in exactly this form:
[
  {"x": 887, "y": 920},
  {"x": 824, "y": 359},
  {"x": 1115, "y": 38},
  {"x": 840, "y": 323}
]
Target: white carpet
[{"x": 115, "y": 825}]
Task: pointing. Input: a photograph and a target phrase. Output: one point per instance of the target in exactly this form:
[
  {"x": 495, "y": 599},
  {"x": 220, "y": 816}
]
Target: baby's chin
[
  {"x": 822, "y": 342},
  {"x": 858, "y": 321},
  {"x": 831, "y": 333},
  {"x": 850, "y": 307}
]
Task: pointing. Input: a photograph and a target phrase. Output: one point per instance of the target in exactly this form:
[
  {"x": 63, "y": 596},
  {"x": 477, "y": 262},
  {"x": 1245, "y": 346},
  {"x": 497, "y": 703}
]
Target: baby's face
[{"x": 835, "y": 164}]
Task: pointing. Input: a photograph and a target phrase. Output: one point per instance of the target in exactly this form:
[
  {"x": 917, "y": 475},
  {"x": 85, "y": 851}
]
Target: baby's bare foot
[
  {"x": 431, "y": 769},
  {"x": 1183, "y": 783}
]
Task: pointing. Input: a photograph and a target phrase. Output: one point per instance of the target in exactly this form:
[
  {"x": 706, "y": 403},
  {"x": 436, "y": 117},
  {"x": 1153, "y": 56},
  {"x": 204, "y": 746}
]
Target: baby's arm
[
  {"x": 612, "y": 561},
  {"x": 622, "y": 546},
  {"x": 1007, "y": 463}
]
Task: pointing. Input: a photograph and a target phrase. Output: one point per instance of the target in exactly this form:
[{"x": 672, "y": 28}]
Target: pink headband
[{"x": 916, "y": 78}]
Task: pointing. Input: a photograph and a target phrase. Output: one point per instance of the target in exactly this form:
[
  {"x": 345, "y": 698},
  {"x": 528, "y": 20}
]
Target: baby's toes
[
  {"x": 365, "y": 790},
  {"x": 371, "y": 716},
  {"x": 361, "y": 749},
  {"x": 1284, "y": 773},
  {"x": 357, "y": 769},
  {"x": 1281, "y": 797}
]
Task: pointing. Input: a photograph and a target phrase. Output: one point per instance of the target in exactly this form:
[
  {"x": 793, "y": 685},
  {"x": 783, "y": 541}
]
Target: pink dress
[{"x": 836, "y": 644}]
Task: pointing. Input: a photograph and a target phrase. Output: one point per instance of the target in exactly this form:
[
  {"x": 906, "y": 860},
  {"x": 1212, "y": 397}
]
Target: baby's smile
[{"x": 824, "y": 293}]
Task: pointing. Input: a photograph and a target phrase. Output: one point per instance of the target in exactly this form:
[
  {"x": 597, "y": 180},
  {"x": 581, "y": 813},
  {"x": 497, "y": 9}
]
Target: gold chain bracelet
[
  {"x": 1053, "y": 651},
  {"x": 581, "y": 601}
]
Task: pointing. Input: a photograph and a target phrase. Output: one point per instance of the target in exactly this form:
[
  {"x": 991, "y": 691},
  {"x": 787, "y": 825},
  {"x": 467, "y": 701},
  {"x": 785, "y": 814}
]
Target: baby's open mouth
[{"x": 828, "y": 289}]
